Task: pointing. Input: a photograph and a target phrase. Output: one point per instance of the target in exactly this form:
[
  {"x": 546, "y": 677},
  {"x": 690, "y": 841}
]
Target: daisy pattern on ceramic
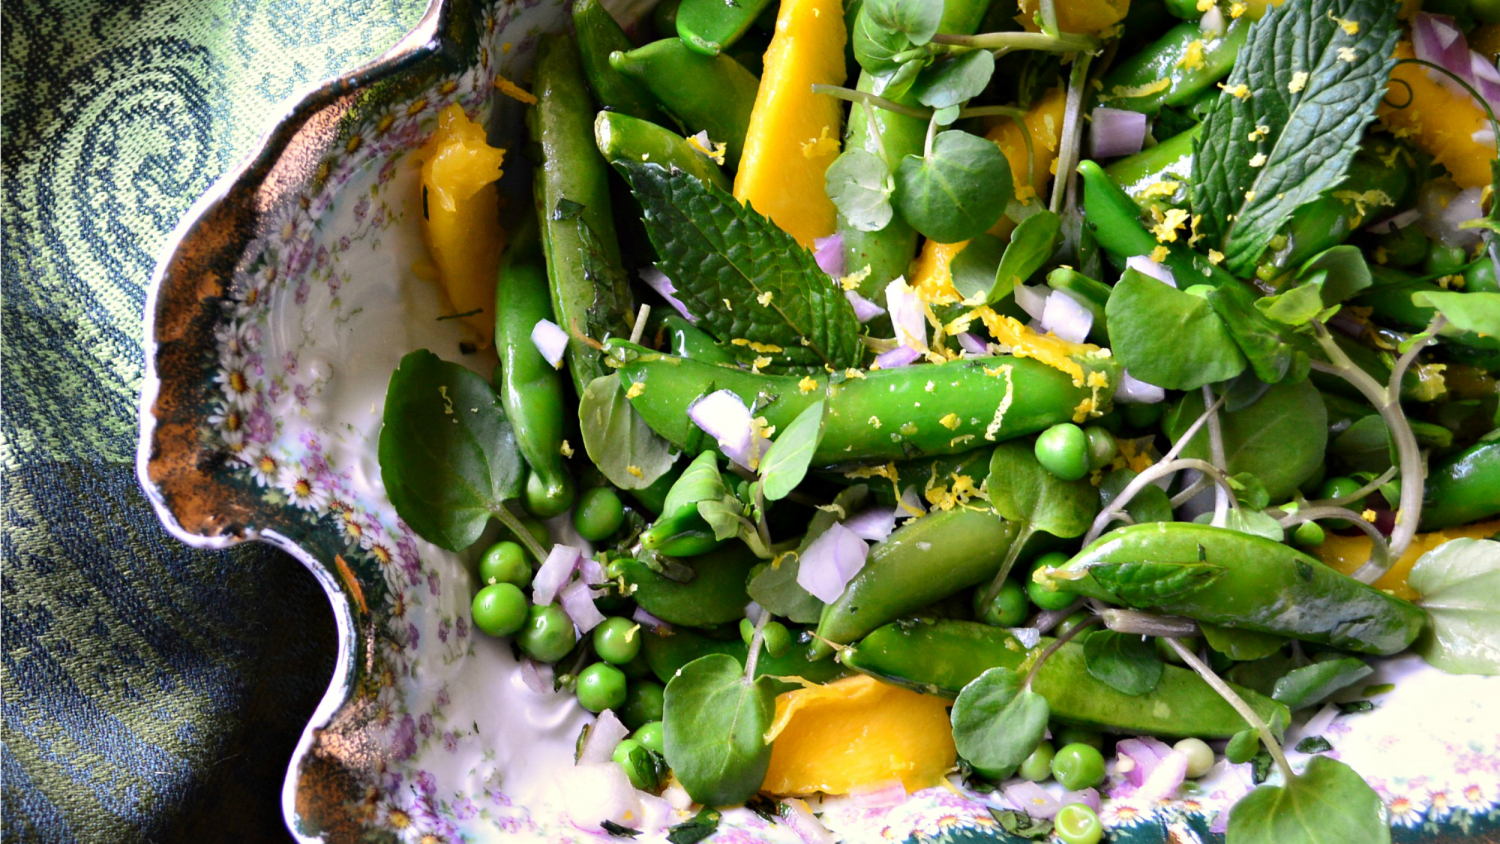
[
  {"x": 300, "y": 487},
  {"x": 1403, "y": 809}
]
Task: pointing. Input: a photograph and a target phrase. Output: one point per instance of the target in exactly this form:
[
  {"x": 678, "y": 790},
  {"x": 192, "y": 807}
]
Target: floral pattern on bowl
[{"x": 287, "y": 297}]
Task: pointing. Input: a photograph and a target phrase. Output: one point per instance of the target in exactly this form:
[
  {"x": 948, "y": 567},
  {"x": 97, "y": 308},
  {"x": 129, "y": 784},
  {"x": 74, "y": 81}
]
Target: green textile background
[{"x": 148, "y": 691}]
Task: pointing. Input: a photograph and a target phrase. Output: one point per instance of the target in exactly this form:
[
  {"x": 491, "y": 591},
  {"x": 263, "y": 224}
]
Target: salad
[{"x": 907, "y": 392}]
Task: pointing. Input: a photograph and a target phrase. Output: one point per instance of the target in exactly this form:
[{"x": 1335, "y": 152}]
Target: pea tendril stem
[
  {"x": 1234, "y": 700},
  {"x": 1061, "y": 43},
  {"x": 1056, "y": 644}
]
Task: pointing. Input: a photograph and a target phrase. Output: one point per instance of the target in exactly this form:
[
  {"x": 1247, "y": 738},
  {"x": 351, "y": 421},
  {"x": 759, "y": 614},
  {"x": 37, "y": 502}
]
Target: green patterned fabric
[{"x": 150, "y": 691}]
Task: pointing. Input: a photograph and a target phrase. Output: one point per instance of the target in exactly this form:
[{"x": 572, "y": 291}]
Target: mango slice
[
  {"x": 1044, "y": 124},
  {"x": 931, "y": 273},
  {"x": 856, "y": 732},
  {"x": 1085, "y": 17},
  {"x": 1347, "y": 553},
  {"x": 1437, "y": 121},
  {"x": 794, "y": 133},
  {"x": 460, "y": 219}
]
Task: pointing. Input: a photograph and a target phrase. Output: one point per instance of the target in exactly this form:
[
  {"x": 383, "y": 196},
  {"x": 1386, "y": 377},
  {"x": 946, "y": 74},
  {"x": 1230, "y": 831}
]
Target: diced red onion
[
  {"x": 1394, "y": 222},
  {"x": 677, "y": 796},
  {"x": 550, "y": 340},
  {"x": 553, "y": 573},
  {"x": 908, "y": 314},
  {"x": 1032, "y": 300},
  {"x": 1146, "y": 266},
  {"x": 1064, "y": 317},
  {"x": 911, "y": 505},
  {"x": 1437, "y": 39},
  {"x": 724, "y": 416},
  {"x": 1486, "y": 78},
  {"x": 646, "y": 619},
  {"x": 1444, "y": 208},
  {"x": 1137, "y": 759},
  {"x": 658, "y": 281},
  {"x": 1221, "y": 822},
  {"x": 796, "y": 815},
  {"x": 1032, "y": 799},
  {"x": 873, "y": 524},
  {"x": 536, "y": 675},
  {"x": 897, "y": 357},
  {"x": 578, "y": 602},
  {"x": 1318, "y": 724},
  {"x": 973, "y": 344},
  {"x": 754, "y": 611},
  {"x": 864, "y": 309},
  {"x": 656, "y": 814},
  {"x": 1088, "y": 797},
  {"x": 1133, "y": 390},
  {"x": 879, "y": 795},
  {"x": 605, "y": 734},
  {"x": 1165, "y": 778},
  {"x": 1483, "y": 137},
  {"x": 829, "y": 253},
  {"x": 1212, "y": 23},
  {"x": 831, "y": 561},
  {"x": 597, "y": 792},
  {"x": 593, "y": 571},
  {"x": 1114, "y": 132},
  {"x": 1045, "y": 620}
]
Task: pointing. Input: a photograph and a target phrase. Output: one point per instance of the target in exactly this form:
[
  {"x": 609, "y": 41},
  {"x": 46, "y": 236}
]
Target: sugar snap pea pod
[
  {"x": 572, "y": 170},
  {"x": 686, "y": 340},
  {"x": 1237, "y": 580},
  {"x": 941, "y": 657},
  {"x": 705, "y": 93},
  {"x": 888, "y": 414},
  {"x": 1390, "y": 299},
  {"x": 709, "y": 26},
  {"x": 716, "y": 593},
  {"x": 923, "y": 561},
  {"x": 1463, "y": 488},
  {"x": 667, "y": 653},
  {"x": 681, "y": 531},
  {"x": 599, "y": 34},
  {"x": 1115, "y": 220},
  {"x": 889, "y": 251},
  {"x": 624, "y": 138},
  {"x": 1175, "y": 69},
  {"x": 1159, "y": 175},
  {"x": 530, "y": 389}
]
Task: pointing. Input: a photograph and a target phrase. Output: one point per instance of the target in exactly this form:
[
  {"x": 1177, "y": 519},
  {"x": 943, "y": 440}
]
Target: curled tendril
[
  {"x": 1410, "y": 95},
  {"x": 1478, "y": 98}
]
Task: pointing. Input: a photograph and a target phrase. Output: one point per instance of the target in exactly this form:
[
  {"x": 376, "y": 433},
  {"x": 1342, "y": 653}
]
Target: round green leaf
[
  {"x": 1124, "y": 662},
  {"x": 714, "y": 721},
  {"x": 860, "y": 186},
  {"x": 997, "y": 723},
  {"x": 958, "y": 191}
]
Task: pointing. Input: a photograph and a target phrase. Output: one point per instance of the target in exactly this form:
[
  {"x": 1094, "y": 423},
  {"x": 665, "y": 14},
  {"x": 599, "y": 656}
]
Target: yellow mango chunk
[
  {"x": 1347, "y": 553},
  {"x": 931, "y": 275},
  {"x": 1085, "y": 17},
  {"x": 1044, "y": 124},
  {"x": 460, "y": 220},
  {"x": 856, "y": 732},
  {"x": 794, "y": 133},
  {"x": 1437, "y": 121}
]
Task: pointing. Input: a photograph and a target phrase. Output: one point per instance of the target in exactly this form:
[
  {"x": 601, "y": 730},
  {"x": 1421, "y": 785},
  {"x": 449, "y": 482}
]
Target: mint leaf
[
  {"x": 1310, "y": 89},
  {"x": 745, "y": 277}
]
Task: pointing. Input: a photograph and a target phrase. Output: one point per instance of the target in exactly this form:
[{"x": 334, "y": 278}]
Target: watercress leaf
[
  {"x": 1247, "y": 520},
  {"x": 997, "y": 723},
  {"x": 1126, "y": 663},
  {"x": 1240, "y": 644},
  {"x": 916, "y": 19},
  {"x": 1473, "y": 311},
  {"x": 1281, "y": 437},
  {"x": 1302, "y": 687},
  {"x": 973, "y": 269},
  {"x": 694, "y": 829},
  {"x": 715, "y": 721},
  {"x": 716, "y": 250},
  {"x": 1022, "y": 491},
  {"x": 1259, "y": 339},
  {"x": 447, "y": 453},
  {"x": 1169, "y": 338},
  {"x": 700, "y": 481},
  {"x": 955, "y": 80},
  {"x": 946, "y": 116},
  {"x": 775, "y": 586},
  {"x": 860, "y": 186},
  {"x": 1297, "y": 306},
  {"x": 1328, "y": 803},
  {"x": 1151, "y": 504},
  {"x": 957, "y": 191},
  {"x": 1291, "y": 117},
  {"x": 1031, "y": 244},
  {"x": 1250, "y": 490},
  {"x": 786, "y": 462},
  {"x": 876, "y": 46},
  {"x": 1345, "y": 272},
  {"x": 617, "y": 439},
  {"x": 1459, "y": 582},
  {"x": 1146, "y": 585}
]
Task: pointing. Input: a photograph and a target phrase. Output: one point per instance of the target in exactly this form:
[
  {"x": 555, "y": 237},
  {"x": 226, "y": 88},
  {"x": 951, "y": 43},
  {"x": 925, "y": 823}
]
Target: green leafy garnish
[
  {"x": 1312, "y": 684},
  {"x": 1259, "y": 338},
  {"x": 775, "y": 587},
  {"x": 860, "y": 185},
  {"x": 885, "y": 29},
  {"x": 1239, "y": 644},
  {"x": 1124, "y": 662},
  {"x": 997, "y": 722},
  {"x": 786, "y": 462},
  {"x": 715, "y": 719},
  {"x": 1459, "y": 582},
  {"x": 617, "y": 439},
  {"x": 1021, "y": 824},
  {"x": 1281, "y": 437},
  {"x": 696, "y": 828},
  {"x": 1031, "y": 244},
  {"x": 1473, "y": 311},
  {"x": 1151, "y": 504},
  {"x": 1329, "y": 802},
  {"x": 618, "y": 831},
  {"x": 957, "y": 190},
  {"x": 1169, "y": 338},
  {"x": 746, "y": 278},
  {"x": 1291, "y": 117},
  {"x": 1024, "y": 493},
  {"x": 955, "y": 80},
  {"x": 1313, "y": 744}
]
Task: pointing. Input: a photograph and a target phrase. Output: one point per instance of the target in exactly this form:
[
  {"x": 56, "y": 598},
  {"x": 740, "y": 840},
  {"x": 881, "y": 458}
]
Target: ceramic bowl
[{"x": 285, "y": 300}]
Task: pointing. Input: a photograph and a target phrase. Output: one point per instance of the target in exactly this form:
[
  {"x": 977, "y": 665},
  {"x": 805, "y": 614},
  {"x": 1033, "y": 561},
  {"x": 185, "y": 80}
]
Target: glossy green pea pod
[
  {"x": 889, "y": 251},
  {"x": 709, "y": 26},
  {"x": 624, "y": 138},
  {"x": 705, "y": 93},
  {"x": 668, "y": 653},
  {"x": 941, "y": 657},
  {"x": 1136, "y": 83},
  {"x": 530, "y": 388},
  {"x": 1390, "y": 299},
  {"x": 1115, "y": 220},
  {"x": 1261, "y": 585},
  {"x": 715, "y": 595},
  {"x": 571, "y": 169},
  {"x": 1464, "y": 488},
  {"x": 924, "y": 560},
  {"x": 1146, "y": 175},
  {"x": 599, "y": 34},
  {"x": 888, "y": 414},
  {"x": 686, "y": 340},
  {"x": 680, "y": 534}
]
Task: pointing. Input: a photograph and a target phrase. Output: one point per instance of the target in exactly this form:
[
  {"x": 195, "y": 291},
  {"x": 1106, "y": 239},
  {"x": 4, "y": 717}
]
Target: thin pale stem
[
  {"x": 1188, "y": 494},
  {"x": 1072, "y": 128},
  {"x": 1359, "y": 495},
  {"x": 877, "y": 133},
  {"x": 1420, "y": 342},
  {"x": 1056, "y": 644},
  {"x": 1149, "y": 624},
  {"x": 1138, "y": 483},
  {"x": 1062, "y": 43},
  {"x": 1380, "y": 553},
  {"x": 755, "y": 641},
  {"x": 639, "y": 328},
  {"x": 1048, "y": 619},
  {"x": 1216, "y": 452},
  {"x": 1011, "y": 554},
  {"x": 853, "y": 96},
  {"x": 511, "y": 522},
  {"x": 1254, "y": 720}
]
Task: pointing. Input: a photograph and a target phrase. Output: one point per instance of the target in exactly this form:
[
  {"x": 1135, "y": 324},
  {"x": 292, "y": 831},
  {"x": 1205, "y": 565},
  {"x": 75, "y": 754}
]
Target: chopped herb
[
  {"x": 1313, "y": 744},
  {"x": 1354, "y": 706},
  {"x": 1021, "y": 824},
  {"x": 617, "y": 831},
  {"x": 699, "y": 827}
]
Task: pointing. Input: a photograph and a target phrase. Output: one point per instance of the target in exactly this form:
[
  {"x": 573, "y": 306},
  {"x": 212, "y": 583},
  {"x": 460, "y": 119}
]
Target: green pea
[
  {"x": 1444, "y": 260},
  {"x": 548, "y": 634},
  {"x": 642, "y": 703},
  {"x": 1063, "y": 450},
  {"x": 1072, "y": 621},
  {"x": 598, "y": 514},
  {"x": 617, "y": 640},
  {"x": 1042, "y": 596},
  {"x": 499, "y": 609},
  {"x": 651, "y": 736},
  {"x": 1076, "y": 823},
  {"x": 1480, "y": 276},
  {"x": 1406, "y": 247},
  {"x": 777, "y": 639},
  {"x": 643, "y": 768},
  {"x": 1062, "y": 736},
  {"x": 601, "y": 686},
  {"x": 505, "y": 562},
  {"x": 1200, "y": 757},
  {"x": 1141, "y": 416},
  {"x": 1339, "y": 488},
  {"x": 1007, "y": 610},
  {"x": 1078, "y": 766},
  {"x": 1102, "y": 446},
  {"x": 1038, "y": 766},
  {"x": 1308, "y": 535}
]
